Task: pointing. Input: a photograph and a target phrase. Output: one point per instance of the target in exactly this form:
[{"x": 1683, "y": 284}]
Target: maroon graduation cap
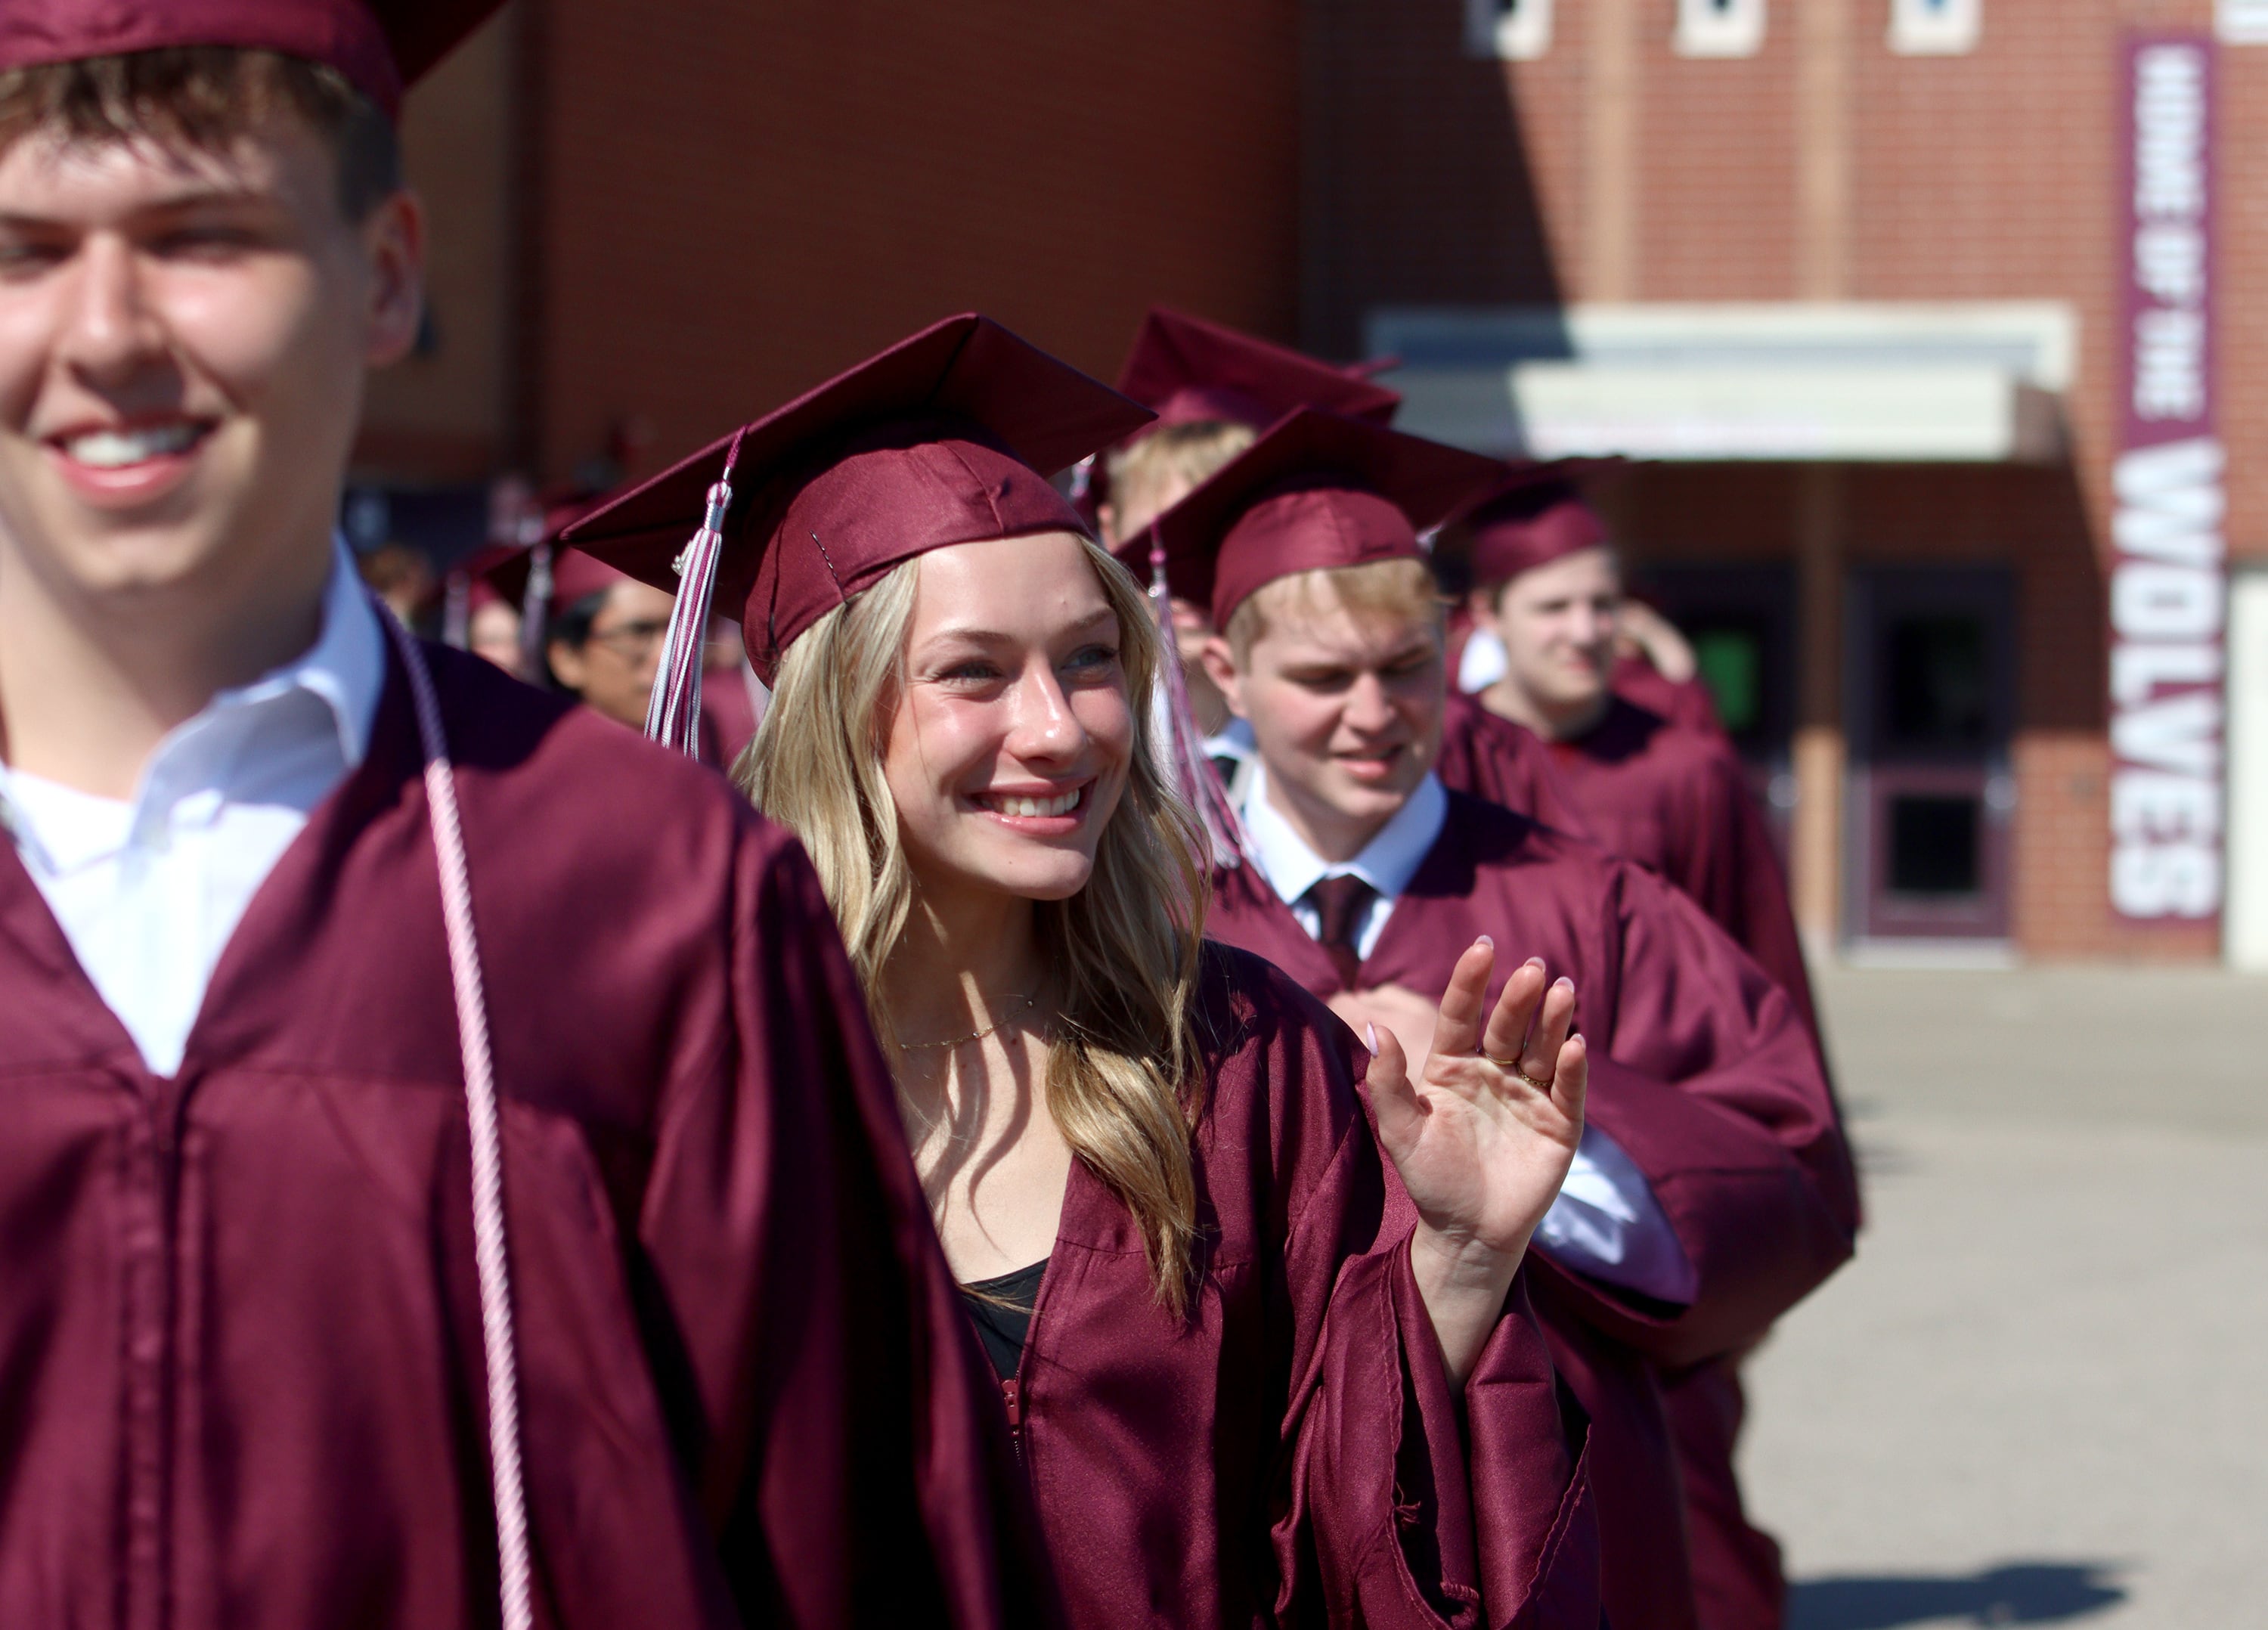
[
  {"x": 1318, "y": 491},
  {"x": 509, "y": 568},
  {"x": 1186, "y": 370},
  {"x": 1189, "y": 371},
  {"x": 1533, "y": 515},
  {"x": 948, "y": 437},
  {"x": 380, "y": 46},
  {"x": 541, "y": 579}
]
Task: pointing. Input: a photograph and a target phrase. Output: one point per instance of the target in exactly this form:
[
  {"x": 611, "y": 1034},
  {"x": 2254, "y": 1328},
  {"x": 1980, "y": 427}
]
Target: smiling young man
[
  {"x": 1673, "y": 798},
  {"x": 1669, "y": 795},
  {"x": 1711, "y": 1189},
  {"x": 381, "y": 1238},
  {"x": 1214, "y": 390}
]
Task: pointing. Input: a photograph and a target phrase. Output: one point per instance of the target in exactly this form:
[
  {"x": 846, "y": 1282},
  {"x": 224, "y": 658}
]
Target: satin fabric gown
[
  {"x": 240, "y": 1321},
  {"x": 1664, "y": 787},
  {"x": 1674, "y": 799},
  {"x": 1702, "y": 1071},
  {"x": 1290, "y": 1454}
]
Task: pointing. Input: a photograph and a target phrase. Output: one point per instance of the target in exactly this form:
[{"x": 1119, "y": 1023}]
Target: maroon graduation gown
[
  {"x": 1676, "y": 800},
  {"x": 1673, "y": 800},
  {"x": 240, "y": 1316},
  {"x": 1737, "y": 1581},
  {"x": 1291, "y": 1454},
  {"x": 1510, "y": 766},
  {"x": 1685, "y": 701},
  {"x": 1701, "y": 1071}
]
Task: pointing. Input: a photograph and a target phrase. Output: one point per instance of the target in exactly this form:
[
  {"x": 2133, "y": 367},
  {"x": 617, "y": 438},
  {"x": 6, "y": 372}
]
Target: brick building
[
  {"x": 653, "y": 221},
  {"x": 1851, "y": 276},
  {"x": 1854, "y": 276}
]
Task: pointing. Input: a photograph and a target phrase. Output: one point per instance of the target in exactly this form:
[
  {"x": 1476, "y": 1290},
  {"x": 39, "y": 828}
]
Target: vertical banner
[{"x": 2168, "y": 577}]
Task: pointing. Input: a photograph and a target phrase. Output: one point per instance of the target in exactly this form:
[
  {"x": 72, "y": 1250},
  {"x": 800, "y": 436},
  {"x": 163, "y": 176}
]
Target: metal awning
[{"x": 1905, "y": 382}]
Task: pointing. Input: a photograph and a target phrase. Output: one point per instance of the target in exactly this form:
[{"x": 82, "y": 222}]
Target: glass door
[{"x": 1931, "y": 684}]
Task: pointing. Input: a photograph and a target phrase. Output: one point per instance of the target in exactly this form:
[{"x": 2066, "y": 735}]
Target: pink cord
[{"x": 495, "y": 1267}]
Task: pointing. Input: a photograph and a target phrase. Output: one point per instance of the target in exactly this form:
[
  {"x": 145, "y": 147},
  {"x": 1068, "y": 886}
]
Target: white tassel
[
  {"x": 672, "y": 714},
  {"x": 535, "y": 612}
]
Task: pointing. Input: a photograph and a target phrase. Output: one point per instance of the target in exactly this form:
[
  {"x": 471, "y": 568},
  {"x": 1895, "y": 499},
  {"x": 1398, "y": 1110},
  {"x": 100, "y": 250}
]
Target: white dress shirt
[
  {"x": 1484, "y": 661},
  {"x": 1386, "y": 863},
  {"x": 1606, "y": 1221},
  {"x": 149, "y": 890}
]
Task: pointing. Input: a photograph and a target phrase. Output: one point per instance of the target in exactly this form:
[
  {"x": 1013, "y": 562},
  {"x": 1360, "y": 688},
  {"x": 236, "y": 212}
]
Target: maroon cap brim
[{"x": 1188, "y": 369}]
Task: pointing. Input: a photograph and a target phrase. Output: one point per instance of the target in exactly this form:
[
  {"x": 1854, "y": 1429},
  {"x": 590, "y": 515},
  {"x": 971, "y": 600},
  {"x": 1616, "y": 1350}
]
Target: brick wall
[
  {"x": 444, "y": 414},
  {"x": 736, "y": 201},
  {"x": 1419, "y": 179},
  {"x": 2029, "y": 520},
  {"x": 1823, "y": 166}
]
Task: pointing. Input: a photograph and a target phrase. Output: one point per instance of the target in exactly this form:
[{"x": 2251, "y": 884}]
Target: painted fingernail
[
  {"x": 1564, "y": 982},
  {"x": 1536, "y": 961},
  {"x": 1486, "y": 941},
  {"x": 1370, "y": 1034}
]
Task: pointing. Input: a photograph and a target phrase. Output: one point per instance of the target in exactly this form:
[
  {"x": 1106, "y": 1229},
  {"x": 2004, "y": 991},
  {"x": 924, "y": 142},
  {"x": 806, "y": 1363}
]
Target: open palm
[{"x": 1483, "y": 1137}]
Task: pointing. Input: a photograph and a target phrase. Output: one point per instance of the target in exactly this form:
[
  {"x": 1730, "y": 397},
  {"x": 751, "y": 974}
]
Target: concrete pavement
[{"x": 2040, "y": 1394}]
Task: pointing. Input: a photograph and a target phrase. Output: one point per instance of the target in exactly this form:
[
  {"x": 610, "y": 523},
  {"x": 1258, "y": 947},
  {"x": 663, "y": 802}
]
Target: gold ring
[{"x": 1512, "y": 1067}]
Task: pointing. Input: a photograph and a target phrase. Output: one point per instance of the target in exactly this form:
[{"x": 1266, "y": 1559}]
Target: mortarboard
[
  {"x": 1534, "y": 515},
  {"x": 1185, "y": 370},
  {"x": 1317, "y": 492},
  {"x": 380, "y": 46},
  {"x": 573, "y": 574},
  {"x": 1189, "y": 371},
  {"x": 540, "y": 578},
  {"x": 948, "y": 437}
]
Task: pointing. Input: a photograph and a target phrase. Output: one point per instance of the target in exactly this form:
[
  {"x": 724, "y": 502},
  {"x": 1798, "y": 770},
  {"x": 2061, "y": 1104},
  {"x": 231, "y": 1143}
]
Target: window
[
  {"x": 1935, "y": 28},
  {"x": 2242, "y": 22},
  {"x": 1518, "y": 31},
  {"x": 1719, "y": 27},
  {"x": 1731, "y": 661},
  {"x": 1936, "y": 690},
  {"x": 1936, "y": 847}
]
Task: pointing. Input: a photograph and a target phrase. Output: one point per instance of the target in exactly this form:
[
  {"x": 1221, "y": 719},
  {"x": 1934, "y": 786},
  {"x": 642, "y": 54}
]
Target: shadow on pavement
[{"x": 2020, "y": 1593}]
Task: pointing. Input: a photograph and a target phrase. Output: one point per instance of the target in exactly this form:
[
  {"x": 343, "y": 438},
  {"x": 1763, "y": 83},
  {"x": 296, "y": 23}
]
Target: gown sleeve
[
  {"x": 1506, "y": 764},
  {"x": 1408, "y": 1505},
  {"x": 846, "y": 1446},
  {"x": 1728, "y": 865},
  {"x": 1713, "y": 1084}
]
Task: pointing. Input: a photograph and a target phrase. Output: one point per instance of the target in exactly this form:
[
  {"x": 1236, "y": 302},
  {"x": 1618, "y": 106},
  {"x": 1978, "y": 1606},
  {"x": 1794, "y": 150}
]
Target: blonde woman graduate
[{"x": 1254, "y": 1294}]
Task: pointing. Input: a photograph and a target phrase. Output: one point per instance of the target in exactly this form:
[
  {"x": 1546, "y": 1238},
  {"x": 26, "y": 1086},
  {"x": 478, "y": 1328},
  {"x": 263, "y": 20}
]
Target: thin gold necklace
[{"x": 996, "y": 1025}]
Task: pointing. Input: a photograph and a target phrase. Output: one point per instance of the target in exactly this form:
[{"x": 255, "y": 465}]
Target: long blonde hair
[{"x": 1122, "y": 1077}]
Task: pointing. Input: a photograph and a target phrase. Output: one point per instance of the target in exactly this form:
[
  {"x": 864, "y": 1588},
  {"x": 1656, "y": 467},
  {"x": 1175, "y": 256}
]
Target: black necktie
[{"x": 1341, "y": 903}]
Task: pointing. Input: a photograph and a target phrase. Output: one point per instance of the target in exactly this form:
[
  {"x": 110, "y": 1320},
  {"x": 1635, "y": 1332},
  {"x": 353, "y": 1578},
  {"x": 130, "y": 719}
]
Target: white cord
[{"x": 513, "y": 1567}]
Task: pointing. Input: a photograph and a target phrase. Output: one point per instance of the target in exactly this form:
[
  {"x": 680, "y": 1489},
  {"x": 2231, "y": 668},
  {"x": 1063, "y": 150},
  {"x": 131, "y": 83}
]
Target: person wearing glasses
[
  {"x": 599, "y": 632},
  {"x": 603, "y": 641}
]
